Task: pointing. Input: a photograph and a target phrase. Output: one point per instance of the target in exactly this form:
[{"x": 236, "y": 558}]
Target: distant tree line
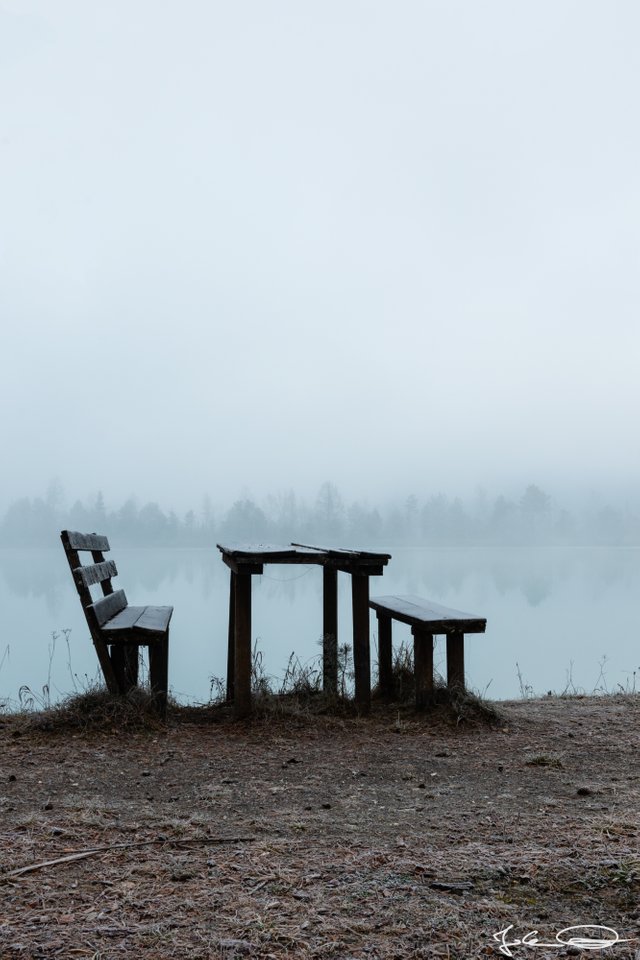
[{"x": 432, "y": 519}]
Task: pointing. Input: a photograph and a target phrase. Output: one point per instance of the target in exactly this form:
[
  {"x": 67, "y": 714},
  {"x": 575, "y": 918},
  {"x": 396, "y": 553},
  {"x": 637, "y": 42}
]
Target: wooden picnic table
[{"x": 245, "y": 560}]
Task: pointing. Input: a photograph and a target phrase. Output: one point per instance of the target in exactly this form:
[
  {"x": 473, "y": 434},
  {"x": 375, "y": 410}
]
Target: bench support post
[
  {"x": 423, "y": 666},
  {"x": 159, "y": 672},
  {"x": 108, "y": 671},
  {"x": 231, "y": 639},
  {"x": 385, "y": 657},
  {"x": 455, "y": 659},
  {"x": 361, "y": 652},
  {"x": 242, "y": 645},
  {"x": 330, "y": 630}
]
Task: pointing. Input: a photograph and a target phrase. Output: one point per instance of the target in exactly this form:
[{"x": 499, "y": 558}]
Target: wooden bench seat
[
  {"x": 117, "y": 629},
  {"x": 426, "y": 619}
]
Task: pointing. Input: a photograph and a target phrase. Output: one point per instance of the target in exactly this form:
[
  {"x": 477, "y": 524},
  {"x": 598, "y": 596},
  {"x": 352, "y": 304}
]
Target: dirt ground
[{"x": 386, "y": 837}]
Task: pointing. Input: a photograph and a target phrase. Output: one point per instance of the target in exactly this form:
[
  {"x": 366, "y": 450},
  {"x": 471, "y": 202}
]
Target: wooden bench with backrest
[
  {"x": 117, "y": 629},
  {"x": 426, "y": 619}
]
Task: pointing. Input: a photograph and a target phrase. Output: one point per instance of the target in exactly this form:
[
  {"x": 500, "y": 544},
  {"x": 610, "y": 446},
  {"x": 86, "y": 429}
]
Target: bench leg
[
  {"x": 330, "y": 630},
  {"x": 118, "y": 666},
  {"x": 131, "y": 666},
  {"x": 385, "y": 657},
  {"x": 455, "y": 659},
  {"x": 361, "y": 651},
  {"x": 423, "y": 666},
  {"x": 242, "y": 646},
  {"x": 159, "y": 672},
  {"x": 107, "y": 666}
]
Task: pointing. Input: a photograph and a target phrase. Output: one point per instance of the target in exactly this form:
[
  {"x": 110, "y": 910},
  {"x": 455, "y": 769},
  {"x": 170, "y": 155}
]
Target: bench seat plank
[
  {"x": 144, "y": 619},
  {"x": 417, "y": 612},
  {"x": 154, "y": 619},
  {"x": 124, "y": 621}
]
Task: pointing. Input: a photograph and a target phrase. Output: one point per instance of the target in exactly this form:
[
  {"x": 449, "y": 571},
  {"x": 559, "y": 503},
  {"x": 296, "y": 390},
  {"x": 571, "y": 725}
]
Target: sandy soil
[{"x": 316, "y": 838}]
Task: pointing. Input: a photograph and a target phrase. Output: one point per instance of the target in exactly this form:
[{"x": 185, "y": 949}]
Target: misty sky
[{"x": 256, "y": 244}]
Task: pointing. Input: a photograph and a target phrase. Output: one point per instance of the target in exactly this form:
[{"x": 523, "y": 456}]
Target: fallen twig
[{"x": 83, "y": 854}]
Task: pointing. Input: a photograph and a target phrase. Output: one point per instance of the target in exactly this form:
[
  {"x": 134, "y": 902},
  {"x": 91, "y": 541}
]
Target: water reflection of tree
[{"x": 536, "y": 590}]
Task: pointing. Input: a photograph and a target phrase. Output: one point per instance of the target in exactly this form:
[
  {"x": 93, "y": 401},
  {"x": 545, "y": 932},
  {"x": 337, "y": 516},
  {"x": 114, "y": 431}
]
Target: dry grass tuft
[{"x": 96, "y": 709}]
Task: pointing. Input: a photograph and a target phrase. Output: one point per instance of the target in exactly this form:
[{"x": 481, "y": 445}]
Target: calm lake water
[{"x": 558, "y": 616}]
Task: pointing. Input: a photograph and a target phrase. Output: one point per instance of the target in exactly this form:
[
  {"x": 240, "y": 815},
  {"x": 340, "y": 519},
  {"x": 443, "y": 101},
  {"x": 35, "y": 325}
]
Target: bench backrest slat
[
  {"x": 84, "y": 541},
  {"x": 108, "y": 607},
  {"x": 95, "y": 573}
]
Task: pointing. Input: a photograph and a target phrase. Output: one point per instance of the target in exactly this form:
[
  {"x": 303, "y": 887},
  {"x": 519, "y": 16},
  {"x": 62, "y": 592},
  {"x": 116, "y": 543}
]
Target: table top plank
[
  {"x": 252, "y": 553},
  {"x": 255, "y": 554},
  {"x": 345, "y": 553}
]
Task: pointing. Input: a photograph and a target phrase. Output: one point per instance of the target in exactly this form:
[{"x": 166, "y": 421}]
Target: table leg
[
  {"x": 242, "y": 671},
  {"x": 231, "y": 642},
  {"x": 455, "y": 659},
  {"x": 330, "y": 630},
  {"x": 385, "y": 658},
  {"x": 423, "y": 666},
  {"x": 361, "y": 652}
]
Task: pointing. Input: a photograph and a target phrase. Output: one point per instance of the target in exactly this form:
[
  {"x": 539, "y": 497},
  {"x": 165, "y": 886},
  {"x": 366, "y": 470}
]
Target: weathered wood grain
[
  {"x": 423, "y": 666},
  {"x": 242, "y": 670},
  {"x": 385, "y": 656},
  {"x": 95, "y": 572},
  {"x": 361, "y": 648},
  {"x": 108, "y": 607},
  {"x": 154, "y": 620},
  {"x": 439, "y": 619},
  {"x": 343, "y": 553},
  {"x": 85, "y": 541},
  {"x": 455, "y": 659},
  {"x": 122, "y": 622},
  {"x": 330, "y": 630}
]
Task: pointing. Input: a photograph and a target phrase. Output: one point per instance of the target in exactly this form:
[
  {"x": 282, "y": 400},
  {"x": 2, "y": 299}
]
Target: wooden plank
[
  {"x": 455, "y": 659},
  {"x": 247, "y": 567},
  {"x": 359, "y": 566},
  {"x": 124, "y": 658},
  {"x": 122, "y": 622},
  {"x": 242, "y": 652},
  {"x": 117, "y": 665},
  {"x": 361, "y": 651},
  {"x": 108, "y": 607},
  {"x": 106, "y": 664},
  {"x": 154, "y": 620},
  {"x": 423, "y": 666},
  {"x": 84, "y": 541},
  {"x": 342, "y": 553},
  {"x": 231, "y": 638},
  {"x": 95, "y": 572},
  {"x": 259, "y": 553},
  {"x": 439, "y": 619},
  {"x": 159, "y": 672},
  {"x": 385, "y": 656},
  {"x": 330, "y": 630}
]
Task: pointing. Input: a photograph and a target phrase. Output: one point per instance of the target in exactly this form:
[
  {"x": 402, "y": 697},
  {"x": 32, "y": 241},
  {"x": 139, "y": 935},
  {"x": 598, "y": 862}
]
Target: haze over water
[{"x": 557, "y": 619}]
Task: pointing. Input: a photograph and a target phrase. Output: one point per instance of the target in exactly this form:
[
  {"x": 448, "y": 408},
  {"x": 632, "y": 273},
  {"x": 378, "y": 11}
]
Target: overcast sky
[{"x": 256, "y": 244}]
